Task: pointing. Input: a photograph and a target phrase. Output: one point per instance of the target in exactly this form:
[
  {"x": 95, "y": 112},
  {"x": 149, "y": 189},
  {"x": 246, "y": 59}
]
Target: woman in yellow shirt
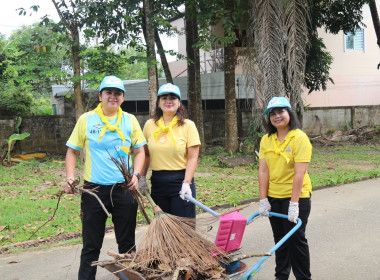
[
  {"x": 171, "y": 153},
  {"x": 285, "y": 187}
]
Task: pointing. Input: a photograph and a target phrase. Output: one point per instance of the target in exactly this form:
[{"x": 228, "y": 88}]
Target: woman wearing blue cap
[
  {"x": 171, "y": 153},
  {"x": 107, "y": 129},
  {"x": 285, "y": 187}
]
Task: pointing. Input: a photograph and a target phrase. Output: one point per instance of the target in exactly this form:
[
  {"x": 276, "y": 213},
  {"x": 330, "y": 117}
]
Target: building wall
[
  {"x": 50, "y": 133},
  {"x": 355, "y": 74}
]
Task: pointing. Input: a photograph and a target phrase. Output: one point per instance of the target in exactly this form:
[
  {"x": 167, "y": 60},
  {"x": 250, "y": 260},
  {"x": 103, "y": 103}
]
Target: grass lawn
[{"x": 29, "y": 191}]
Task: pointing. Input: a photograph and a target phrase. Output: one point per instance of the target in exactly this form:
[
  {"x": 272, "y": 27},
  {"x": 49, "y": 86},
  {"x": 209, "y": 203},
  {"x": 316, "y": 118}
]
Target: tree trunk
[
  {"x": 75, "y": 50},
  {"x": 73, "y": 31},
  {"x": 231, "y": 125},
  {"x": 151, "y": 57},
  {"x": 191, "y": 84},
  {"x": 194, "y": 94},
  {"x": 375, "y": 19},
  {"x": 164, "y": 61}
]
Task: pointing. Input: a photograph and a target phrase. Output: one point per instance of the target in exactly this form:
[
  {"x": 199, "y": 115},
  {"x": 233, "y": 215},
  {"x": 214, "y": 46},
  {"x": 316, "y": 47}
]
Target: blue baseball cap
[
  {"x": 112, "y": 82},
  {"x": 169, "y": 88},
  {"x": 277, "y": 102}
]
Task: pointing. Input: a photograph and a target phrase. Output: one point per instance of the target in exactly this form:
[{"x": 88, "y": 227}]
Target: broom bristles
[{"x": 170, "y": 238}]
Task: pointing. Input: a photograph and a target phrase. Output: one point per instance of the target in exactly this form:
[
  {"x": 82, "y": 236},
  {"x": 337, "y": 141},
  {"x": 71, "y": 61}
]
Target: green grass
[{"x": 29, "y": 191}]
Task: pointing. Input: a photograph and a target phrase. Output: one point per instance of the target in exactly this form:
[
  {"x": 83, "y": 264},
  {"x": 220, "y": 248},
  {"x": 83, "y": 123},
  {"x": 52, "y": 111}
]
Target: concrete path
[{"x": 343, "y": 234}]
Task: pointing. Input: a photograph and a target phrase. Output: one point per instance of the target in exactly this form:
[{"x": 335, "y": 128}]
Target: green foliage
[
  {"x": 128, "y": 64},
  {"x": 318, "y": 64},
  {"x": 35, "y": 55},
  {"x": 15, "y": 100},
  {"x": 20, "y": 100},
  {"x": 345, "y": 15}
]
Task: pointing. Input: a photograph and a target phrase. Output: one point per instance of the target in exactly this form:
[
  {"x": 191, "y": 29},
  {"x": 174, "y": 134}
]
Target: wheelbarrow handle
[
  {"x": 204, "y": 207},
  {"x": 250, "y": 273}
]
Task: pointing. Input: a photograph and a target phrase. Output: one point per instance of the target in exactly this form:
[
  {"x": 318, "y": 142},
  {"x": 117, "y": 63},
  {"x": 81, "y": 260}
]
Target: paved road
[{"x": 343, "y": 233}]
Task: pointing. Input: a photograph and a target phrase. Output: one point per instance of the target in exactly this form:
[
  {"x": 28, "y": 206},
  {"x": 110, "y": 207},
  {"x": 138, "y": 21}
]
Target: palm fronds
[
  {"x": 296, "y": 22},
  {"x": 269, "y": 42}
]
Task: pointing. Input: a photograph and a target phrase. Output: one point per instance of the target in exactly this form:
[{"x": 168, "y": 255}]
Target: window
[{"x": 354, "y": 41}]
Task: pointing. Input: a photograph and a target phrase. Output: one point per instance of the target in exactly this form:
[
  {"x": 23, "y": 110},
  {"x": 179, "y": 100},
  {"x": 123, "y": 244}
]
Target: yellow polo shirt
[
  {"x": 163, "y": 153},
  {"x": 280, "y": 158}
]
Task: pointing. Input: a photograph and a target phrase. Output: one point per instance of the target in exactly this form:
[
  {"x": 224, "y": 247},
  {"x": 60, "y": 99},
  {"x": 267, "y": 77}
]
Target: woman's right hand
[{"x": 67, "y": 187}]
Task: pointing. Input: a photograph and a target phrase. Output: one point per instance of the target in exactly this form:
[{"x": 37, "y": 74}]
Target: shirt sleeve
[
  {"x": 302, "y": 148},
  {"x": 262, "y": 146},
  {"x": 137, "y": 136},
  {"x": 78, "y": 136},
  {"x": 192, "y": 134}
]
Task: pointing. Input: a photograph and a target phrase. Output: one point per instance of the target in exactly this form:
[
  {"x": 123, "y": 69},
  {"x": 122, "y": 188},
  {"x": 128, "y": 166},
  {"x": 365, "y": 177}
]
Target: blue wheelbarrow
[{"x": 230, "y": 234}]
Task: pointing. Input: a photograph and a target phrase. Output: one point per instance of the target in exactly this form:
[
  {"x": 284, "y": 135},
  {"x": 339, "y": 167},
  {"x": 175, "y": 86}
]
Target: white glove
[
  {"x": 293, "y": 212},
  {"x": 264, "y": 207},
  {"x": 185, "y": 190},
  {"x": 143, "y": 186}
]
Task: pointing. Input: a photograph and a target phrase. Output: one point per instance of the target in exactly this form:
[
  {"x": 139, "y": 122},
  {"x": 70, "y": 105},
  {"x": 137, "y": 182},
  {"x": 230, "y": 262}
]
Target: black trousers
[
  {"x": 294, "y": 253},
  {"x": 124, "y": 211},
  {"x": 166, "y": 186}
]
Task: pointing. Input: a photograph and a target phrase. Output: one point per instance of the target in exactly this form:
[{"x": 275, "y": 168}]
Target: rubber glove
[
  {"x": 185, "y": 190},
  {"x": 143, "y": 186},
  {"x": 264, "y": 207},
  {"x": 293, "y": 212}
]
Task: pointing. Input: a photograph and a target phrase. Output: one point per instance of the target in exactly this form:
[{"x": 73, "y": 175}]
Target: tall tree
[
  {"x": 70, "y": 18},
  {"x": 151, "y": 55},
  {"x": 194, "y": 94},
  {"x": 230, "y": 59}
]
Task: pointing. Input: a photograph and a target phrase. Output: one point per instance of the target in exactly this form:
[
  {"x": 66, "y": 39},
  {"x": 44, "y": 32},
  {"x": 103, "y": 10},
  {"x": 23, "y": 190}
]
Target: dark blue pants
[
  {"x": 124, "y": 211},
  {"x": 166, "y": 186},
  {"x": 294, "y": 253}
]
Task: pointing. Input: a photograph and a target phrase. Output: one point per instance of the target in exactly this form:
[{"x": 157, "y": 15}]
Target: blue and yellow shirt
[{"x": 98, "y": 166}]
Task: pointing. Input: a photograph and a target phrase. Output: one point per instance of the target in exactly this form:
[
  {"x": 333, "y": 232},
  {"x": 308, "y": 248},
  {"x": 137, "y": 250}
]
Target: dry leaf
[
  {"x": 188, "y": 275},
  {"x": 3, "y": 227},
  {"x": 14, "y": 262}
]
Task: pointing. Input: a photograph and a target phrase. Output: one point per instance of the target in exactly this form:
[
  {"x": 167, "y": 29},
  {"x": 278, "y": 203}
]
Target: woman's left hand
[{"x": 293, "y": 212}]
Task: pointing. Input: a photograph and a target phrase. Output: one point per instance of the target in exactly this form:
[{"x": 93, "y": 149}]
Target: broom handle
[
  {"x": 204, "y": 207},
  {"x": 147, "y": 195}
]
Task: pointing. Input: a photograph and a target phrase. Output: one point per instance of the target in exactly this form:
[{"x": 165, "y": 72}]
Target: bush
[{"x": 21, "y": 100}]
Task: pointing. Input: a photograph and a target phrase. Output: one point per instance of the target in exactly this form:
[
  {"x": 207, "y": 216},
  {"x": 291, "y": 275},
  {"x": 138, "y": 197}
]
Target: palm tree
[{"x": 277, "y": 44}]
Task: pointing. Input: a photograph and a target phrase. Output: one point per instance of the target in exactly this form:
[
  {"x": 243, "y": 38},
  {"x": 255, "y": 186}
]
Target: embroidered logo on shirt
[
  {"x": 288, "y": 149},
  {"x": 99, "y": 126}
]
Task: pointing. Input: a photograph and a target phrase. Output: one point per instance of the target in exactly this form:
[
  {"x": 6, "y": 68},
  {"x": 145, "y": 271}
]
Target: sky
[{"x": 10, "y": 20}]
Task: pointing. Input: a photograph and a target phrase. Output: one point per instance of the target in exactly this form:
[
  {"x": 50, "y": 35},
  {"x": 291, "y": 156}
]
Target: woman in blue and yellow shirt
[{"x": 107, "y": 129}]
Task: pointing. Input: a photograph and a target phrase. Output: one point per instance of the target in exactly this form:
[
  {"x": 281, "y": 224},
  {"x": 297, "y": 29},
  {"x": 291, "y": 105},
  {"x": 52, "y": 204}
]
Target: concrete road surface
[{"x": 343, "y": 234}]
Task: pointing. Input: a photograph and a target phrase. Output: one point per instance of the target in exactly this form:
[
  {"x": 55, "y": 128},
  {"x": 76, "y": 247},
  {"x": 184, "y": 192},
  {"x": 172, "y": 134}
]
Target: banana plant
[{"x": 12, "y": 138}]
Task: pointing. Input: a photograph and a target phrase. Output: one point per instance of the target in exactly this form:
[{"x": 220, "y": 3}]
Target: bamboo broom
[{"x": 170, "y": 241}]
